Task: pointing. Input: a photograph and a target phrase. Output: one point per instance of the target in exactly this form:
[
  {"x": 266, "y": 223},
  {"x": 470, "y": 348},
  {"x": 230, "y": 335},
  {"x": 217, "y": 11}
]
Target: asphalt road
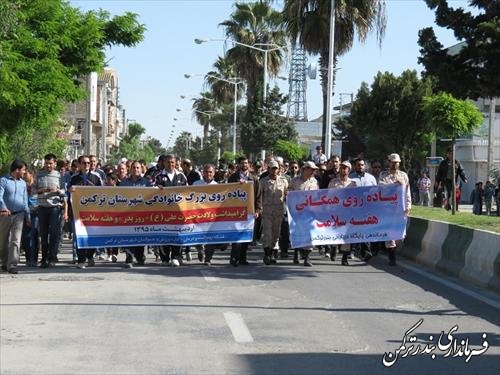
[{"x": 257, "y": 319}]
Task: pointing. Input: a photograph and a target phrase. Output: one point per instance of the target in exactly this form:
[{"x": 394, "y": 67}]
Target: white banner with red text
[{"x": 349, "y": 215}]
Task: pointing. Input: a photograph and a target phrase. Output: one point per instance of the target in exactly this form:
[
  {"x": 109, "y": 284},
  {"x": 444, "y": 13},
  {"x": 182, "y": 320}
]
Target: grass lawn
[{"x": 491, "y": 223}]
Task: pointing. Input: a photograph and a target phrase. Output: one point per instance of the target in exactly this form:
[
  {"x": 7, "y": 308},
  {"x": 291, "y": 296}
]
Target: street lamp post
[
  {"x": 328, "y": 132},
  {"x": 205, "y": 127},
  {"x": 272, "y": 47},
  {"x": 235, "y": 82}
]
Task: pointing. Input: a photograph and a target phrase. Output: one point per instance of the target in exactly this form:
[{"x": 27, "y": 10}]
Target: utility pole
[{"x": 491, "y": 141}]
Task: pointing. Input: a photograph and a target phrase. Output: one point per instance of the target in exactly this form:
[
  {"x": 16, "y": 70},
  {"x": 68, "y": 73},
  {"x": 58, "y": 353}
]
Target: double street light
[
  {"x": 269, "y": 47},
  {"x": 235, "y": 82},
  {"x": 205, "y": 126}
]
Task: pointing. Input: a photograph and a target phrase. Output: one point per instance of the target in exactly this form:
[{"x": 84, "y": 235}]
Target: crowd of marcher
[{"x": 36, "y": 215}]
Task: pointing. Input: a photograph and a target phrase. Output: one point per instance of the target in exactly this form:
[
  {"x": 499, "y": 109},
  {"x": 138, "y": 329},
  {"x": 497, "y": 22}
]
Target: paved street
[{"x": 253, "y": 319}]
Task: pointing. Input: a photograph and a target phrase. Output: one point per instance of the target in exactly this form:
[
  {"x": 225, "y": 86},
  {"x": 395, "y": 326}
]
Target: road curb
[{"x": 470, "y": 254}]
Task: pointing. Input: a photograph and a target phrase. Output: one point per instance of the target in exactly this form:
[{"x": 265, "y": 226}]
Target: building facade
[{"x": 98, "y": 123}]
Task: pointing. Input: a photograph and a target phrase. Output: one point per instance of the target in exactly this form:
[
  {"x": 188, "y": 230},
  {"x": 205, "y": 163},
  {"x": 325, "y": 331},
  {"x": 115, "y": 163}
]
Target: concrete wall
[{"x": 469, "y": 254}]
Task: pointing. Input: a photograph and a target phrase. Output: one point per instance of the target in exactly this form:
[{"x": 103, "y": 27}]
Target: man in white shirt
[{"x": 319, "y": 158}]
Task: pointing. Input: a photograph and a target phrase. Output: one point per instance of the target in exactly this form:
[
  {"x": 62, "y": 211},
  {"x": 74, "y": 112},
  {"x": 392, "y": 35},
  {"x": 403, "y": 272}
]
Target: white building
[
  {"x": 99, "y": 121},
  {"x": 473, "y": 152}
]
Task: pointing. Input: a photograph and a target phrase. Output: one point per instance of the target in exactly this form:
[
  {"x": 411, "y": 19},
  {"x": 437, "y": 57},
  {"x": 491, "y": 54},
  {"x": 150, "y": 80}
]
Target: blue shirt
[
  {"x": 14, "y": 195},
  {"x": 141, "y": 181}
]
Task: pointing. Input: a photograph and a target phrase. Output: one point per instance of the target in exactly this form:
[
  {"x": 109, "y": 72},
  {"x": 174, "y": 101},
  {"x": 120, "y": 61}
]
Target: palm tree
[
  {"x": 203, "y": 107},
  {"x": 222, "y": 92},
  {"x": 254, "y": 24},
  {"x": 308, "y": 24}
]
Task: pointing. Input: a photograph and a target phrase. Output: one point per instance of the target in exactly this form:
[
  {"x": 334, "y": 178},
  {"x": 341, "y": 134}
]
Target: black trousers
[
  {"x": 137, "y": 252},
  {"x": 284, "y": 240},
  {"x": 85, "y": 254},
  {"x": 208, "y": 251},
  {"x": 239, "y": 251},
  {"x": 169, "y": 252}
]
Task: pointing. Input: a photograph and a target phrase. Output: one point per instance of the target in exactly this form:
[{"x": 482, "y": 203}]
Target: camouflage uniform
[
  {"x": 273, "y": 196},
  {"x": 298, "y": 183},
  {"x": 386, "y": 177},
  {"x": 337, "y": 183}
]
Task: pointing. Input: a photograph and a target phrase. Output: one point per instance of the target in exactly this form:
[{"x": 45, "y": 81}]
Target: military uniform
[
  {"x": 298, "y": 183},
  {"x": 345, "y": 249},
  {"x": 337, "y": 183},
  {"x": 386, "y": 177},
  {"x": 273, "y": 195}
]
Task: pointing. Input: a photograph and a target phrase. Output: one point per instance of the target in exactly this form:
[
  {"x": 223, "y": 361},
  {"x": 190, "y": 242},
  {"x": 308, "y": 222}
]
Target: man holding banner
[
  {"x": 84, "y": 178},
  {"x": 343, "y": 181},
  {"x": 170, "y": 176},
  {"x": 243, "y": 175},
  {"x": 135, "y": 179},
  {"x": 345, "y": 214},
  {"x": 304, "y": 182},
  {"x": 394, "y": 175}
]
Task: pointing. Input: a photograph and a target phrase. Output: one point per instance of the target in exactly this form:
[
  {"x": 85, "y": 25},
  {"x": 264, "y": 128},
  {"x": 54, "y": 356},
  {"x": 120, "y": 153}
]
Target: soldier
[
  {"x": 394, "y": 175},
  {"x": 274, "y": 188},
  {"x": 342, "y": 181},
  {"x": 305, "y": 181}
]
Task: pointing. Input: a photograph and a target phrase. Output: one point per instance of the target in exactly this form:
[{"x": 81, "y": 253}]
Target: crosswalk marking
[{"x": 238, "y": 327}]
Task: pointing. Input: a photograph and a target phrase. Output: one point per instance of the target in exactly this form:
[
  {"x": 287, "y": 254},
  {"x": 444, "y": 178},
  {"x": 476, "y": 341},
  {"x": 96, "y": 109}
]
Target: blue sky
[{"x": 151, "y": 76}]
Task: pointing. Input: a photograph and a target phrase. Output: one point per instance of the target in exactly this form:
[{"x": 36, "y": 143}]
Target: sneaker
[
  {"x": 129, "y": 265},
  {"x": 44, "y": 265},
  {"x": 114, "y": 258},
  {"x": 244, "y": 262},
  {"x": 307, "y": 263},
  {"x": 91, "y": 262},
  {"x": 189, "y": 257},
  {"x": 109, "y": 259},
  {"x": 52, "y": 264},
  {"x": 165, "y": 263},
  {"x": 100, "y": 257},
  {"x": 13, "y": 270},
  {"x": 175, "y": 263},
  {"x": 80, "y": 266},
  {"x": 207, "y": 263},
  {"x": 295, "y": 261},
  {"x": 233, "y": 262}
]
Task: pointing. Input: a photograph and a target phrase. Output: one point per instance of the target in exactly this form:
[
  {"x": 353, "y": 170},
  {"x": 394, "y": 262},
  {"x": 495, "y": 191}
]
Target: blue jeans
[
  {"x": 30, "y": 240},
  {"x": 50, "y": 232}
]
